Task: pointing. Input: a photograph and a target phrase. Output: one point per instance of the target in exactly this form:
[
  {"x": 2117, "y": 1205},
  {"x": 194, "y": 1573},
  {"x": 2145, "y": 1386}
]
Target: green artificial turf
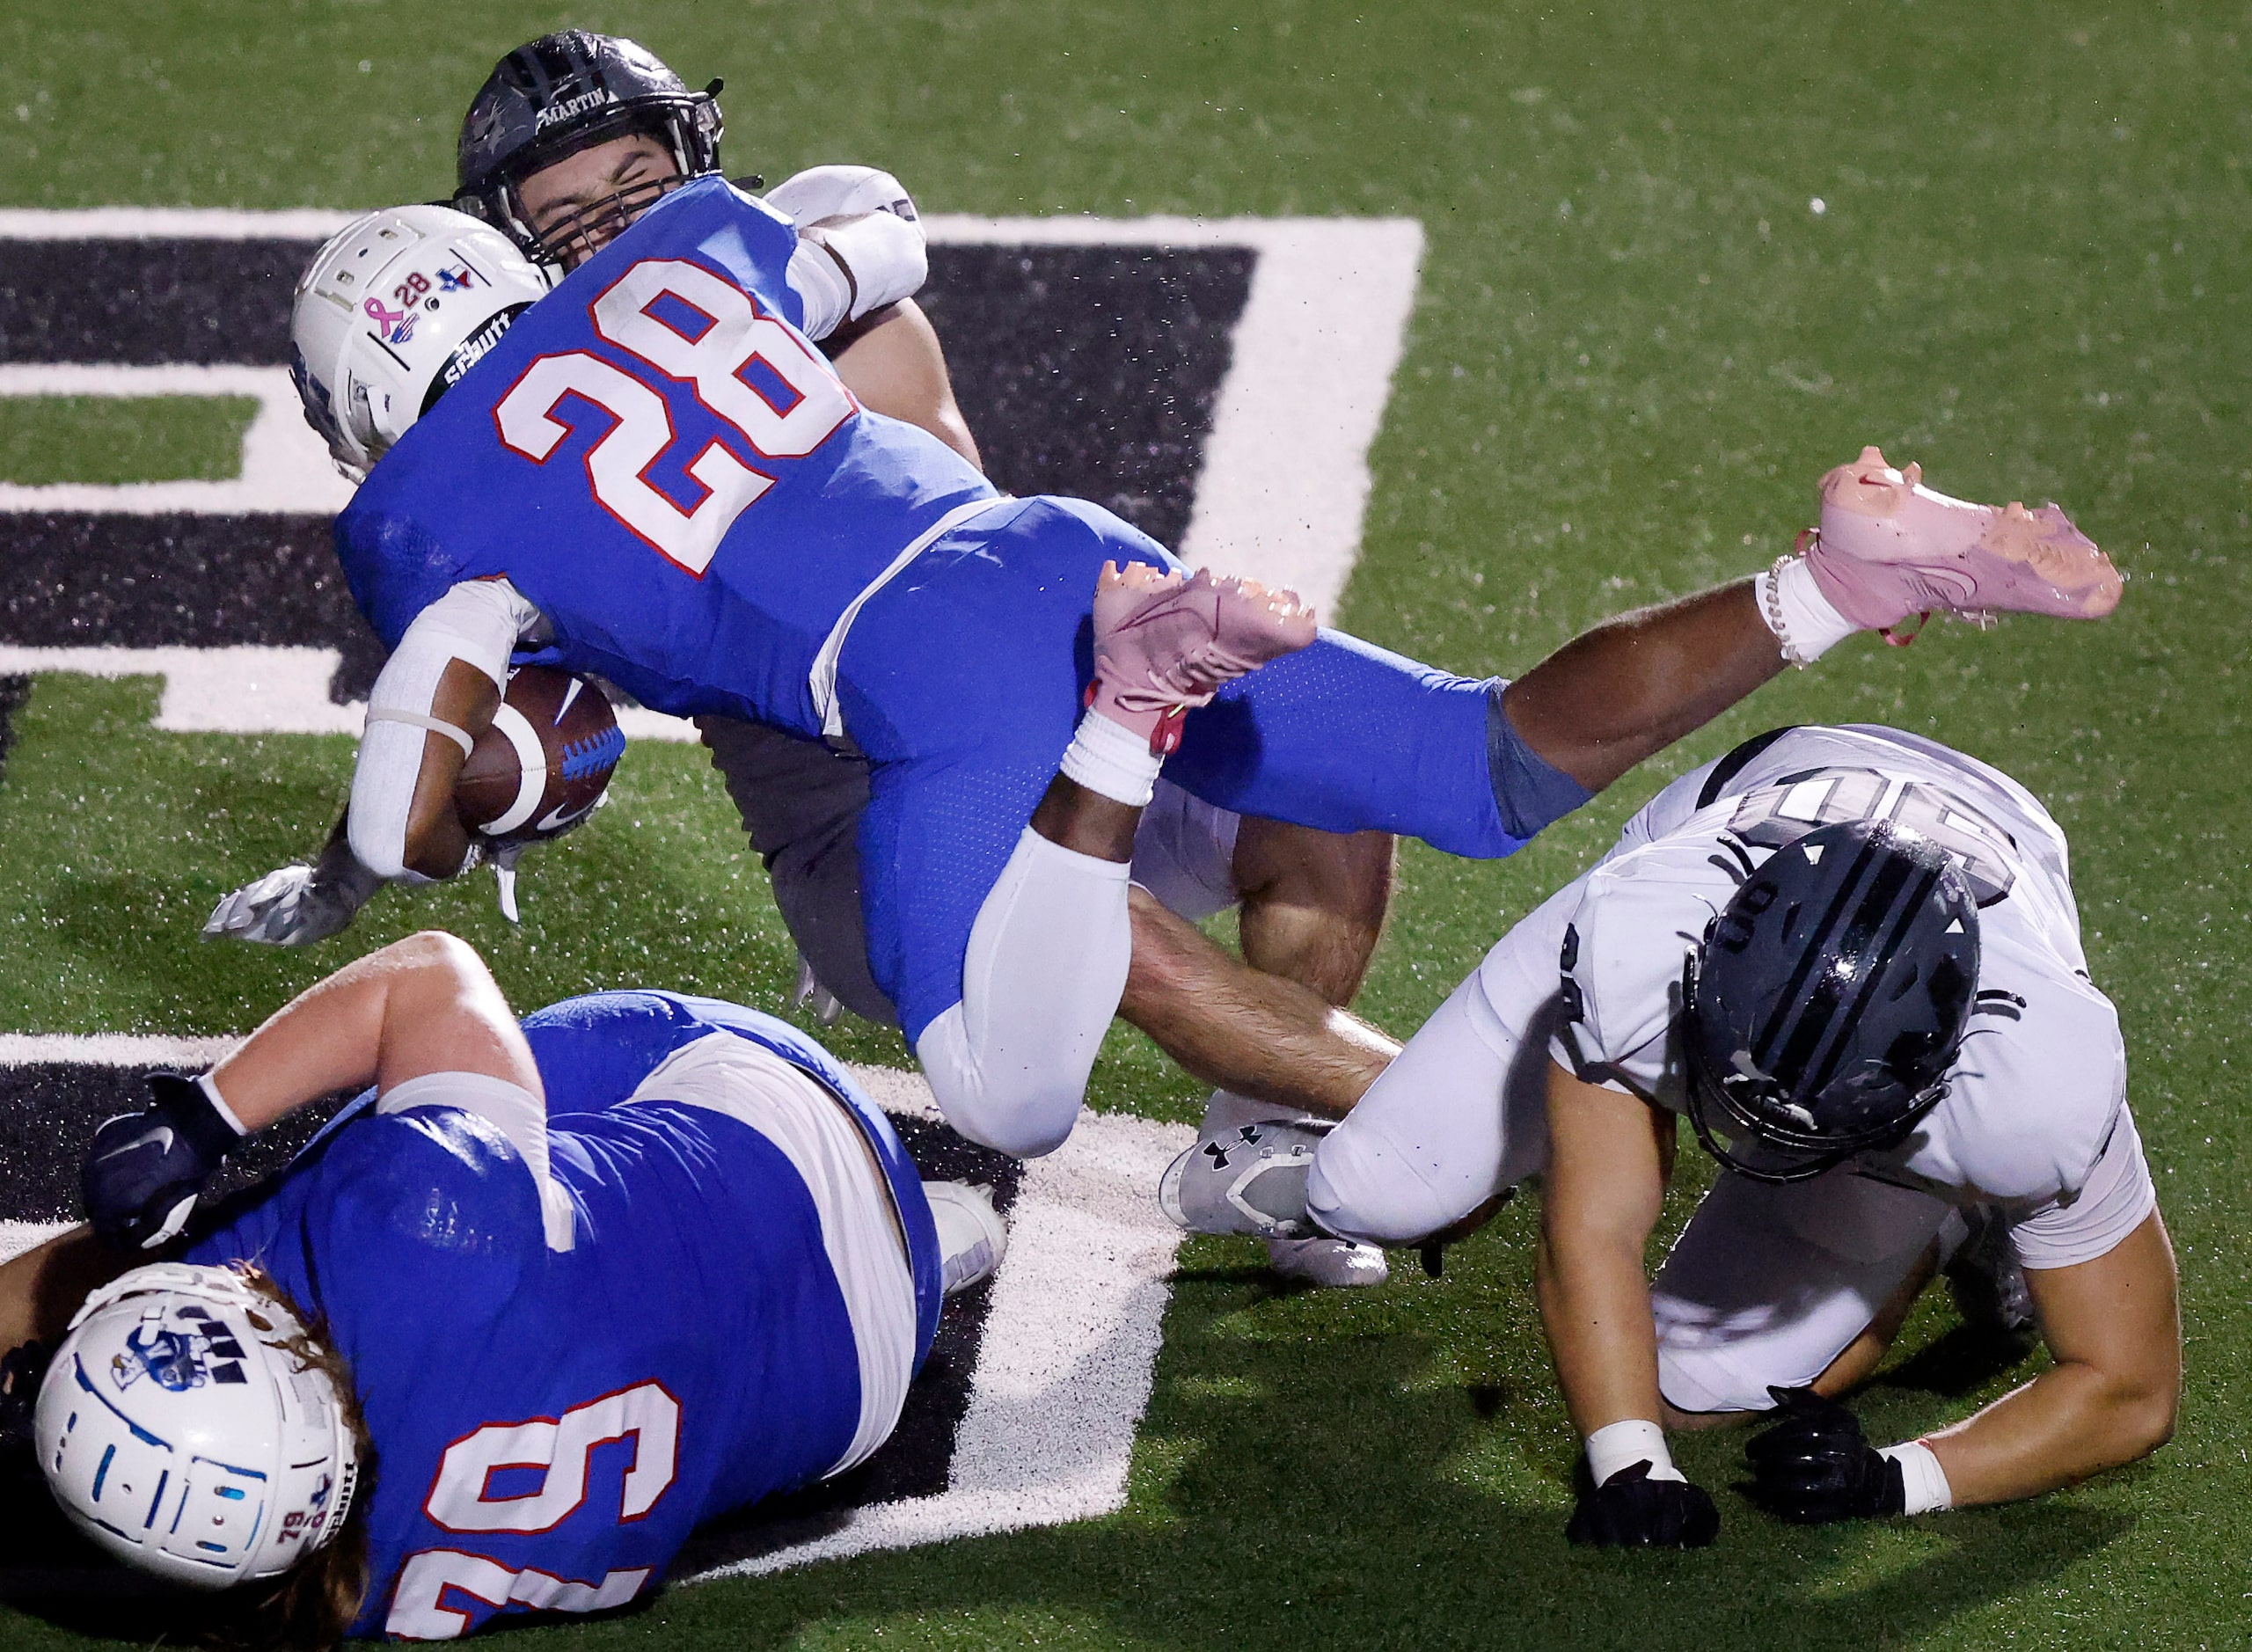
[
  {"x": 109, "y": 439},
  {"x": 1637, "y": 345}
]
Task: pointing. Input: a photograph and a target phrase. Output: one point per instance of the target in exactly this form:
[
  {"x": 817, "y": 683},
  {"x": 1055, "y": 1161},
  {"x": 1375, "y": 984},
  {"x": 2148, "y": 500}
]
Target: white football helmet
[
  {"x": 390, "y": 312},
  {"x": 179, "y": 1432}
]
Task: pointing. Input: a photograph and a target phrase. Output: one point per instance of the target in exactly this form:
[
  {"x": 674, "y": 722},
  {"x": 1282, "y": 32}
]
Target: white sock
[
  {"x": 1112, "y": 759},
  {"x": 1618, "y": 1445},
  {"x": 1804, "y": 622}
]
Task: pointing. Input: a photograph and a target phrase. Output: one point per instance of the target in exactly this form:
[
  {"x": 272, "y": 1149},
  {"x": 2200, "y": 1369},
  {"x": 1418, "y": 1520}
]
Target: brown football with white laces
[{"x": 544, "y": 764}]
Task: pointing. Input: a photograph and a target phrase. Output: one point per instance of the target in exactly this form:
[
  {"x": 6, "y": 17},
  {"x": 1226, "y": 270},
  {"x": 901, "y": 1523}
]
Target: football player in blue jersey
[
  {"x": 657, "y": 479},
  {"x": 549, "y": 1296},
  {"x": 569, "y": 139}
]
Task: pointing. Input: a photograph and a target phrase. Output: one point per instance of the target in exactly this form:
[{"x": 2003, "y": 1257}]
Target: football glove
[
  {"x": 145, "y": 1169},
  {"x": 1632, "y": 1510},
  {"x": 1813, "y": 1464},
  {"x": 297, "y": 905}
]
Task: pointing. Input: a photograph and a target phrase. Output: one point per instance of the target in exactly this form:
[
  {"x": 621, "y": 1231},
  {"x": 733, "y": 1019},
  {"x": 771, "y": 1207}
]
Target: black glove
[
  {"x": 144, "y": 1169},
  {"x": 1813, "y": 1464},
  {"x": 1632, "y": 1510}
]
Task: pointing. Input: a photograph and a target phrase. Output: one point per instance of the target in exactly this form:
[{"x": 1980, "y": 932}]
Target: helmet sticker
[
  {"x": 178, "y": 1360},
  {"x": 1773, "y": 816},
  {"x": 393, "y": 327}
]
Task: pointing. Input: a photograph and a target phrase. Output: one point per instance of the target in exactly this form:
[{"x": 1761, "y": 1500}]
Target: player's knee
[
  {"x": 1017, "y": 1109},
  {"x": 438, "y": 962},
  {"x": 1020, "y": 1121},
  {"x": 1364, "y": 1186}
]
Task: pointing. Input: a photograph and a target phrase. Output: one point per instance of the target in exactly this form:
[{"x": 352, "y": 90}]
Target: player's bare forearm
[
  {"x": 2115, "y": 1327},
  {"x": 897, "y": 367},
  {"x": 423, "y": 1005},
  {"x": 1632, "y": 685},
  {"x": 1605, "y": 1182},
  {"x": 436, "y": 841},
  {"x": 1242, "y": 1028}
]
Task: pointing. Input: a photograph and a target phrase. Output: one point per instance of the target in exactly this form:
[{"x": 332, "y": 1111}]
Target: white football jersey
[{"x": 2036, "y": 1118}]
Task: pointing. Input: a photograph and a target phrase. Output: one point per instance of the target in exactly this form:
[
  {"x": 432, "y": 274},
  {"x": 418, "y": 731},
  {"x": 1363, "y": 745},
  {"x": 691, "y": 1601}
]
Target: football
[{"x": 544, "y": 764}]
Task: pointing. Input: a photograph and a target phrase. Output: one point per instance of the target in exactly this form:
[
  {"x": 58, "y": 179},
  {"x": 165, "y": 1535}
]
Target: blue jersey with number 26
[
  {"x": 662, "y": 462},
  {"x": 549, "y": 1426}
]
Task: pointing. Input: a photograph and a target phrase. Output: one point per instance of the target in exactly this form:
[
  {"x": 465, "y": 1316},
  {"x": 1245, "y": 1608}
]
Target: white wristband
[
  {"x": 1618, "y": 1445},
  {"x": 1921, "y": 1477},
  {"x": 210, "y": 1086},
  {"x": 1111, "y": 759}
]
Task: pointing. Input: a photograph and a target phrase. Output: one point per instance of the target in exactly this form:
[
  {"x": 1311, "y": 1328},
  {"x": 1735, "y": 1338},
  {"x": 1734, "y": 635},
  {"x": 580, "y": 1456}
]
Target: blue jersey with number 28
[
  {"x": 662, "y": 462},
  {"x": 549, "y": 1426}
]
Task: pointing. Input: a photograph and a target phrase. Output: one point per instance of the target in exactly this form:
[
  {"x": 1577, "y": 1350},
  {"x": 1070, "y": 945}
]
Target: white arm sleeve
[
  {"x": 842, "y": 271},
  {"x": 478, "y": 621},
  {"x": 516, "y": 1112}
]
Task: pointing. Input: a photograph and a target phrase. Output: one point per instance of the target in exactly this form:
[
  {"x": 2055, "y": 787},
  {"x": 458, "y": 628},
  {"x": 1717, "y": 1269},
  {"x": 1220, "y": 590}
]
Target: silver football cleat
[{"x": 1250, "y": 1178}]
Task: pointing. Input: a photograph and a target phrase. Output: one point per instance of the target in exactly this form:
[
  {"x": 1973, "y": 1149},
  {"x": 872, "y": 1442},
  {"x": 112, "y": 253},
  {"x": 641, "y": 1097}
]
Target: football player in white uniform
[{"x": 1851, "y": 957}]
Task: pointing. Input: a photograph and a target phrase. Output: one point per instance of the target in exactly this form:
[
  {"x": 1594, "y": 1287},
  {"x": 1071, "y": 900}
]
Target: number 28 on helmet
[{"x": 1827, "y": 1001}]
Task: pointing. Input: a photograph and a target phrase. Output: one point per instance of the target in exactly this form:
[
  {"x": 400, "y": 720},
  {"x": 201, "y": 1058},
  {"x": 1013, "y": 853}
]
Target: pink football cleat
[
  {"x": 1889, "y": 547},
  {"x": 1164, "y": 644}
]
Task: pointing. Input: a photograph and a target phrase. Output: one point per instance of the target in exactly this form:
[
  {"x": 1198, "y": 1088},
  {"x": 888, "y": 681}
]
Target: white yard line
[
  {"x": 250, "y": 690},
  {"x": 1066, "y": 1361},
  {"x": 110, "y": 1049},
  {"x": 1285, "y": 482},
  {"x": 284, "y": 467},
  {"x": 168, "y": 224}
]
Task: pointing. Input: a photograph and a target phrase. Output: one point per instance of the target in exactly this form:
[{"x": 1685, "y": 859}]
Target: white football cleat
[
  {"x": 1331, "y": 1263},
  {"x": 972, "y": 1237}
]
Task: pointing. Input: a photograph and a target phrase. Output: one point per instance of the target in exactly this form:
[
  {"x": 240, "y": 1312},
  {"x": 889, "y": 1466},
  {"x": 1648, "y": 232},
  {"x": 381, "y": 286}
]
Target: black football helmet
[
  {"x": 1826, "y": 1003},
  {"x": 562, "y": 93}
]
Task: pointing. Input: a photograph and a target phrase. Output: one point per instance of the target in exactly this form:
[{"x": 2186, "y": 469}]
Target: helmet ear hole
[{"x": 1906, "y": 982}]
